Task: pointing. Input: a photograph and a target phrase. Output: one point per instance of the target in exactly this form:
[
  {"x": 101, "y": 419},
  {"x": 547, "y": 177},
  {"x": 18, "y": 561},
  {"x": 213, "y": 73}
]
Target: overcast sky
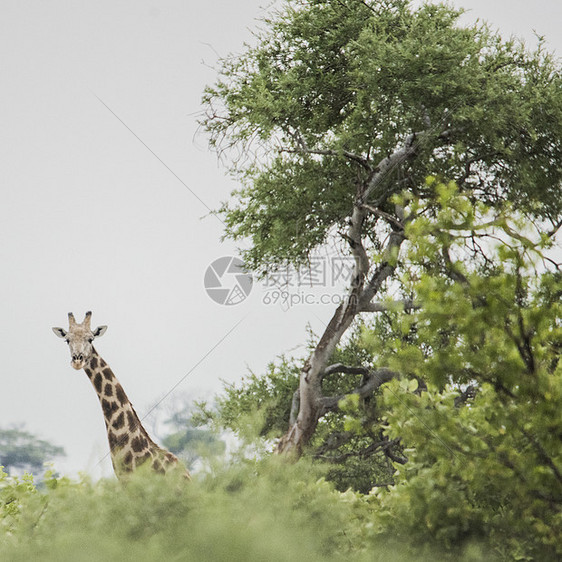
[{"x": 105, "y": 185}]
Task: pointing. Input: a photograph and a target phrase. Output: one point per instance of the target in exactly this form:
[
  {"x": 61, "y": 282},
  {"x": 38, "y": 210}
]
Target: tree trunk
[
  {"x": 310, "y": 386},
  {"x": 362, "y": 291},
  {"x": 311, "y": 406}
]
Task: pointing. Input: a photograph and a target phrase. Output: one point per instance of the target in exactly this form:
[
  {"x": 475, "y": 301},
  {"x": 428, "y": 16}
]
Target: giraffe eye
[
  {"x": 67, "y": 341},
  {"x": 90, "y": 340}
]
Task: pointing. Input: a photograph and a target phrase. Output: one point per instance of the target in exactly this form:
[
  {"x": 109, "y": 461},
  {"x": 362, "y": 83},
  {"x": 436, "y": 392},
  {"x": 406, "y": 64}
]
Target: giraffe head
[{"x": 79, "y": 338}]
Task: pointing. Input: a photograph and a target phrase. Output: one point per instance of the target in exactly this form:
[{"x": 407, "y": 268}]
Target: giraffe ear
[
  {"x": 99, "y": 331},
  {"x": 60, "y": 332}
]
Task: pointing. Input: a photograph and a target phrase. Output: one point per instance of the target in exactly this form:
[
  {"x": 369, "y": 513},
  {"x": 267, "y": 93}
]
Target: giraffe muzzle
[{"x": 78, "y": 361}]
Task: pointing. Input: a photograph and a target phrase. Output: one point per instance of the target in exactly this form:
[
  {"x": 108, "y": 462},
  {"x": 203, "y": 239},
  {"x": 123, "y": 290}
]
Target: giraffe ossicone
[{"x": 129, "y": 443}]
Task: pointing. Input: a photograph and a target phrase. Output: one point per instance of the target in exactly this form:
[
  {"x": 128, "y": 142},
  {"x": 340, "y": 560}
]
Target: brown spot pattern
[
  {"x": 131, "y": 421},
  {"x": 109, "y": 408},
  {"x": 120, "y": 393},
  {"x": 108, "y": 391},
  {"x": 97, "y": 382},
  {"x": 137, "y": 445},
  {"x": 107, "y": 373},
  {"x": 113, "y": 441},
  {"x": 119, "y": 421}
]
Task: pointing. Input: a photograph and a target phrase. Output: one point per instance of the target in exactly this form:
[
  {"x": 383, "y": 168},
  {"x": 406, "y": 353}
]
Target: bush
[{"x": 253, "y": 511}]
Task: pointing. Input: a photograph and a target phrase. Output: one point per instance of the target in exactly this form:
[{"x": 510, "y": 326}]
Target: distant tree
[
  {"x": 22, "y": 451},
  {"x": 189, "y": 442}
]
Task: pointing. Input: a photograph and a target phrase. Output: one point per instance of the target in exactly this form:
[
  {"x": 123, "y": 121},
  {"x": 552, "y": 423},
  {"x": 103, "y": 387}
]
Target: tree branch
[
  {"x": 375, "y": 379},
  {"x": 384, "y": 269},
  {"x": 554, "y": 230},
  {"x": 453, "y": 273},
  {"x": 326, "y": 152},
  {"x": 468, "y": 394},
  {"x": 295, "y": 405},
  {"x": 341, "y": 368},
  {"x": 387, "y": 165},
  {"x": 371, "y": 449},
  {"x": 394, "y": 457},
  {"x": 386, "y": 216},
  {"x": 354, "y": 239},
  {"x": 543, "y": 455}
]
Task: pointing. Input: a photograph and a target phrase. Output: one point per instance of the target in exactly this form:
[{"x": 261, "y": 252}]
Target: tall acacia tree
[{"x": 340, "y": 106}]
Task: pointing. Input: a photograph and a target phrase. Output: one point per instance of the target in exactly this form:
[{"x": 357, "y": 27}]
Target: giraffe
[{"x": 129, "y": 443}]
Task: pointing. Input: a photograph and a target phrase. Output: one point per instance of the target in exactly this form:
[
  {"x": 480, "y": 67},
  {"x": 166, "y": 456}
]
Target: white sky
[{"x": 90, "y": 219}]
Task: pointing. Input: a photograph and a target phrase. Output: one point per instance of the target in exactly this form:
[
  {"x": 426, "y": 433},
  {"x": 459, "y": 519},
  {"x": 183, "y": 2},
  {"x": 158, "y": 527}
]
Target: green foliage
[
  {"x": 251, "y": 511},
  {"x": 12, "y": 492},
  {"x": 21, "y": 450},
  {"x": 332, "y": 88},
  {"x": 248, "y": 511},
  {"x": 491, "y": 470},
  {"x": 257, "y": 405}
]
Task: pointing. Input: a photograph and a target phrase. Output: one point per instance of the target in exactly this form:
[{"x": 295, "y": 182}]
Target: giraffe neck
[{"x": 129, "y": 443}]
